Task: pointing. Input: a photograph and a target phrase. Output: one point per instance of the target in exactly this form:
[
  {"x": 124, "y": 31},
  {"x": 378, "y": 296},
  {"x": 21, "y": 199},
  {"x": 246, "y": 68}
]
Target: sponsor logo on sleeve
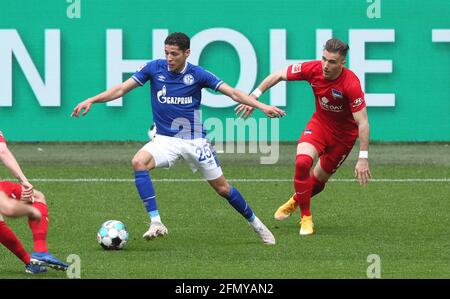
[
  {"x": 307, "y": 132},
  {"x": 357, "y": 102},
  {"x": 296, "y": 68}
]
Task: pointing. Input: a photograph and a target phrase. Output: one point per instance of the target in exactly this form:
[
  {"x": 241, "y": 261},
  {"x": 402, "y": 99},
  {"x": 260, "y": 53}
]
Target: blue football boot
[
  {"x": 47, "y": 259},
  {"x": 35, "y": 269}
]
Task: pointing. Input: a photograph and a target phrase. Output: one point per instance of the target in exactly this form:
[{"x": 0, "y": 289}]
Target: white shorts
[{"x": 198, "y": 153}]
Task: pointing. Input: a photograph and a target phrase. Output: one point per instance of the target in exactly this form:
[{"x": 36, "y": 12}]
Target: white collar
[{"x": 182, "y": 71}]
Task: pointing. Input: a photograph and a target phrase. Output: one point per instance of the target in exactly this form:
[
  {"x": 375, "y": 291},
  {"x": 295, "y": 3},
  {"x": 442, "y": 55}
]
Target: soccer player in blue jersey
[{"x": 176, "y": 95}]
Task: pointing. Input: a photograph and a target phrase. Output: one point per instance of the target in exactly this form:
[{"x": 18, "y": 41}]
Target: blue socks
[
  {"x": 146, "y": 192},
  {"x": 239, "y": 204}
]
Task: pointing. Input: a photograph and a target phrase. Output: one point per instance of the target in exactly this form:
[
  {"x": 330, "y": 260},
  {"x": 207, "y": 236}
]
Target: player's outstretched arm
[
  {"x": 362, "y": 171},
  {"x": 240, "y": 97},
  {"x": 106, "y": 96},
  {"x": 267, "y": 83}
]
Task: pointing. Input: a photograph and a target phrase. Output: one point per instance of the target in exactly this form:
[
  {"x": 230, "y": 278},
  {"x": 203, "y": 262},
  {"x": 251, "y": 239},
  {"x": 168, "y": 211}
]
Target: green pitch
[{"x": 406, "y": 223}]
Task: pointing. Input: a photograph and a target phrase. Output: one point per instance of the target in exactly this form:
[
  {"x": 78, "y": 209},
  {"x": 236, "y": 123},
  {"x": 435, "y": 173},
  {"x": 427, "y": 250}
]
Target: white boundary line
[{"x": 112, "y": 180}]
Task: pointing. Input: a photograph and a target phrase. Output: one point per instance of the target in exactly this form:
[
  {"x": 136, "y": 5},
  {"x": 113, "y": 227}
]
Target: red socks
[
  {"x": 302, "y": 183},
  {"x": 10, "y": 241},
  {"x": 317, "y": 186},
  {"x": 305, "y": 185},
  {"x": 39, "y": 228}
]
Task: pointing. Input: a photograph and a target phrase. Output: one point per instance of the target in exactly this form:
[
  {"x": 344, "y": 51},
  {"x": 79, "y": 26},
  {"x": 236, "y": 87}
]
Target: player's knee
[
  {"x": 303, "y": 165},
  {"x": 223, "y": 190},
  {"x": 138, "y": 164},
  {"x": 39, "y": 197}
]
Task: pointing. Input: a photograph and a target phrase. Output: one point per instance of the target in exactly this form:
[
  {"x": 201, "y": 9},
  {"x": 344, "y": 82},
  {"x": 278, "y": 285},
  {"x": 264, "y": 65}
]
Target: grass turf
[{"x": 405, "y": 223}]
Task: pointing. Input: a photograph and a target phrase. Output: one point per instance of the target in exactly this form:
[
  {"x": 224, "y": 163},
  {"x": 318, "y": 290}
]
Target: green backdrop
[{"x": 420, "y": 77}]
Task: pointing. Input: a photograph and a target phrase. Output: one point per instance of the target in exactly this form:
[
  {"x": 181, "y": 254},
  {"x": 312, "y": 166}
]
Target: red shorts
[
  {"x": 332, "y": 150},
  {"x": 12, "y": 190}
]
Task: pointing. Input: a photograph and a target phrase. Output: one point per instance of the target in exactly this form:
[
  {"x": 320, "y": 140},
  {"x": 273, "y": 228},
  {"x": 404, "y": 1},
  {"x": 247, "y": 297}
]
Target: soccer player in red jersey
[
  {"x": 25, "y": 193},
  {"x": 340, "y": 118},
  {"x": 11, "y": 208}
]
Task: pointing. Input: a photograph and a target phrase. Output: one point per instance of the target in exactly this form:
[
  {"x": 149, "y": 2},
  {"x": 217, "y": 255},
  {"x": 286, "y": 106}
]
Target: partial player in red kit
[
  {"x": 38, "y": 217},
  {"x": 340, "y": 118},
  {"x": 12, "y": 208}
]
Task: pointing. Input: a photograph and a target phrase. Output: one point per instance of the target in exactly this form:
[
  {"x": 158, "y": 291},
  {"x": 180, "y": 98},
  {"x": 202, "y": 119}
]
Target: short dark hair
[
  {"x": 178, "y": 39},
  {"x": 335, "y": 45}
]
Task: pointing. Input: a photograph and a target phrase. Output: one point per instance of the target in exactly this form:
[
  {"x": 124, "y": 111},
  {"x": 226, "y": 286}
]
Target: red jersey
[
  {"x": 336, "y": 100},
  {"x": 2, "y": 139}
]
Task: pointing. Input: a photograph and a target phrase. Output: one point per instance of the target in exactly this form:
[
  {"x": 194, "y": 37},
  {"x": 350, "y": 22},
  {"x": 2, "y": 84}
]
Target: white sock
[
  {"x": 156, "y": 219},
  {"x": 256, "y": 222}
]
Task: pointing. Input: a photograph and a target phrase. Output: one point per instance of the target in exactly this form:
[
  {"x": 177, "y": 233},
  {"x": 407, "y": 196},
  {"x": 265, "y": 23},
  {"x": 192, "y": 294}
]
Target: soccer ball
[{"x": 112, "y": 235}]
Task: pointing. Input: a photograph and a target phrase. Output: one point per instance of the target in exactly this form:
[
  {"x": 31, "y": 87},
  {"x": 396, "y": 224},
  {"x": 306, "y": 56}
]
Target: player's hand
[
  {"x": 85, "y": 105},
  {"x": 27, "y": 191},
  {"x": 273, "y": 112},
  {"x": 362, "y": 172},
  {"x": 245, "y": 110}
]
